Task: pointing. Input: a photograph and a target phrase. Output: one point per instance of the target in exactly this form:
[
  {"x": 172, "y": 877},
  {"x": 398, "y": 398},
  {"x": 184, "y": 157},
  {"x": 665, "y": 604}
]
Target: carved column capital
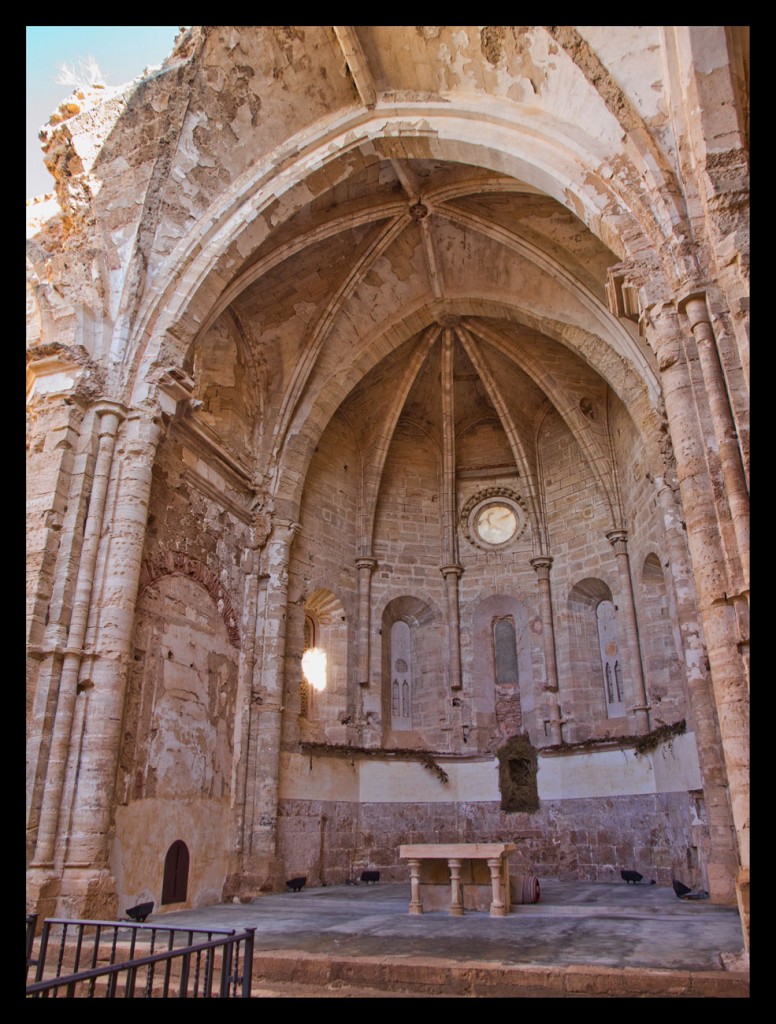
[
  {"x": 366, "y": 562},
  {"x": 542, "y": 566},
  {"x": 451, "y": 570},
  {"x": 109, "y": 415},
  {"x": 693, "y": 305},
  {"x": 619, "y": 541}
]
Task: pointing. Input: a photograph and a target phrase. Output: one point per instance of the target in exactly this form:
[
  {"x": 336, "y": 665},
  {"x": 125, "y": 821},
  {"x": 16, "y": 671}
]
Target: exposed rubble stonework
[{"x": 424, "y": 348}]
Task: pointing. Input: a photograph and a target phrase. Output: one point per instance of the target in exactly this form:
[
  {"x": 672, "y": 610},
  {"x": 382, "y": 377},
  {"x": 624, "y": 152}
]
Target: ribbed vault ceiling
[{"x": 354, "y": 292}]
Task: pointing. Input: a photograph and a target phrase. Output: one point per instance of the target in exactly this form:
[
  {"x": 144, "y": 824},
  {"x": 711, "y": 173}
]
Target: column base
[
  {"x": 43, "y": 885},
  {"x": 87, "y": 893},
  {"x": 265, "y": 874}
]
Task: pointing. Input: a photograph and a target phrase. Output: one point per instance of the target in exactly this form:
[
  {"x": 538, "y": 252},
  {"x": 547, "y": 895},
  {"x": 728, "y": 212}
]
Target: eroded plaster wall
[
  {"x": 178, "y": 747},
  {"x": 359, "y": 814}
]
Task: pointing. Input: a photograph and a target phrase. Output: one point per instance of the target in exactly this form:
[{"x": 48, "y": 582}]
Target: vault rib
[
  {"x": 513, "y": 435},
  {"x": 568, "y": 412},
  {"x": 614, "y": 330},
  {"x": 374, "y": 465},
  {"x": 356, "y": 61},
  {"x": 432, "y": 264},
  {"x": 406, "y": 178},
  {"x": 320, "y": 233},
  {"x": 375, "y": 248}
]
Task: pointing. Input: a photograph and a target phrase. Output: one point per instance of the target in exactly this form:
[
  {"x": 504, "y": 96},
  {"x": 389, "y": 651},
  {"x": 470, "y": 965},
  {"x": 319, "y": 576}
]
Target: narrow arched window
[
  {"x": 176, "y": 873},
  {"x": 509, "y": 715},
  {"x": 401, "y": 674},
  {"x": 610, "y": 661},
  {"x": 505, "y": 646}
]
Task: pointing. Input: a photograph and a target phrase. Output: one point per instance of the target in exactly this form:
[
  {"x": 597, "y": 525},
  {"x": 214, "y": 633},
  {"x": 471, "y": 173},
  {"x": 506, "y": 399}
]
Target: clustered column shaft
[{"x": 109, "y": 418}]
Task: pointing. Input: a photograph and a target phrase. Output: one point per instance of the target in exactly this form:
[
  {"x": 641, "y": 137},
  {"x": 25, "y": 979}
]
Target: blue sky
[{"x": 122, "y": 53}]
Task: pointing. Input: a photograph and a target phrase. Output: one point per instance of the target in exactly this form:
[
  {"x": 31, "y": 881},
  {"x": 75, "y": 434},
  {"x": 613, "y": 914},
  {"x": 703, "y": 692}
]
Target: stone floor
[{"x": 580, "y": 939}]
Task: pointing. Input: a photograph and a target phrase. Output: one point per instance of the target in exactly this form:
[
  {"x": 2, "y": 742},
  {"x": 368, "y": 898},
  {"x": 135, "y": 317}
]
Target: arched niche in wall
[
  {"x": 663, "y": 669},
  {"x": 179, "y": 718},
  {"x": 175, "y": 883},
  {"x": 413, "y": 691},
  {"x": 324, "y": 682},
  {"x": 595, "y": 671},
  {"x": 501, "y": 672}
]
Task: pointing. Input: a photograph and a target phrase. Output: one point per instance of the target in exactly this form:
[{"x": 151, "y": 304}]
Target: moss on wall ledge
[
  {"x": 424, "y": 757},
  {"x": 641, "y": 744}
]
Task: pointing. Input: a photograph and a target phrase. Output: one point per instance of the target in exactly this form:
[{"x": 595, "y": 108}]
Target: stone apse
[{"x": 388, "y": 462}]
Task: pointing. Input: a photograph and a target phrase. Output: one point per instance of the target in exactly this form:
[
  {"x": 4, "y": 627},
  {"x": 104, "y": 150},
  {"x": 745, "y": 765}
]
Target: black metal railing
[
  {"x": 32, "y": 922},
  {"x": 117, "y": 959}
]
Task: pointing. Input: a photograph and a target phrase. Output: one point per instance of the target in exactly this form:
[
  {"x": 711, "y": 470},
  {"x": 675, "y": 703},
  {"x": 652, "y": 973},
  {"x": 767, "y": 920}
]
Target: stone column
[
  {"x": 58, "y": 492},
  {"x": 260, "y": 860},
  {"x": 722, "y": 860},
  {"x": 542, "y": 568},
  {"x": 498, "y": 907},
  {"x": 87, "y": 885},
  {"x": 108, "y": 416},
  {"x": 365, "y": 567},
  {"x": 451, "y": 570},
  {"x": 720, "y": 622},
  {"x": 456, "y": 893},
  {"x": 248, "y": 697},
  {"x": 416, "y": 904},
  {"x": 736, "y": 492},
  {"x": 452, "y": 573},
  {"x": 619, "y": 541}
]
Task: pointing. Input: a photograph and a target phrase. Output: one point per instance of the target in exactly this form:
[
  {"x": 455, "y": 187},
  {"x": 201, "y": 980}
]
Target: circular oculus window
[
  {"x": 495, "y": 522},
  {"x": 493, "y": 518}
]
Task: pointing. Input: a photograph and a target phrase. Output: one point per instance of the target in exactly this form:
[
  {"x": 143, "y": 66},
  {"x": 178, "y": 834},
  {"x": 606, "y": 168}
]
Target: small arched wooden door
[{"x": 176, "y": 873}]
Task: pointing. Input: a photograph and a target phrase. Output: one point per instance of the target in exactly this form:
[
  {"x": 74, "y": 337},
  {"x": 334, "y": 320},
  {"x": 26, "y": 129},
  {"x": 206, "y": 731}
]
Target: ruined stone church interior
[{"x": 388, "y": 462}]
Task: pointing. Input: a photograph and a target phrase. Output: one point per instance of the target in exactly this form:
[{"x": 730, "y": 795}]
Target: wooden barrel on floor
[{"x": 524, "y": 889}]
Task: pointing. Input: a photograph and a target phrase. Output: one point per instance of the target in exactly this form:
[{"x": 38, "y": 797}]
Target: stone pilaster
[
  {"x": 640, "y": 708},
  {"x": 542, "y": 568},
  {"x": 248, "y": 698},
  {"x": 451, "y": 571},
  {"x": 261, "y": 866},
  {"x": 365, "y": 567}
]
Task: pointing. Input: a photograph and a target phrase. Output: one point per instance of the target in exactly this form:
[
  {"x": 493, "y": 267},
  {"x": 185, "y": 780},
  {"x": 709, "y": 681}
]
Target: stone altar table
[{"x": 471, "y": 866}]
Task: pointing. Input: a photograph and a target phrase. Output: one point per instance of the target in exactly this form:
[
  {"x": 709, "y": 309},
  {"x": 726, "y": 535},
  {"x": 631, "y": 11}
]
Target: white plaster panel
[
  {"x": 673, "y": 767},
  {"x": 408, "y": 781},
  {"x": 317, "y": 778},
  {"x": 676, "y": 765}
]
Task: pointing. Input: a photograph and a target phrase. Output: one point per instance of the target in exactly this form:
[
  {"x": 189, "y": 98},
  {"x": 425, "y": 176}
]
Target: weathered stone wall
[
  {"x": 590, "y": 840},
  {"x": 650, "y": 565}
]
